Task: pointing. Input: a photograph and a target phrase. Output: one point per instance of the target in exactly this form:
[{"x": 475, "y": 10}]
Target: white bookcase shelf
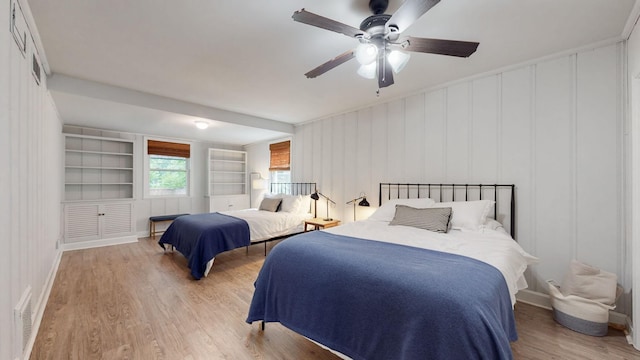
[
  {"x": 98, "y": 168},
  {"x": 227, "y": 180},
  {"x": 227, "y": 172}
]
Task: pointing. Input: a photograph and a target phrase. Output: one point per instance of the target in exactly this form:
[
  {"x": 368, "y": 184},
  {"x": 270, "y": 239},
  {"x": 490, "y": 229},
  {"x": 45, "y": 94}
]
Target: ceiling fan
[{"x": 381, "y": 51}]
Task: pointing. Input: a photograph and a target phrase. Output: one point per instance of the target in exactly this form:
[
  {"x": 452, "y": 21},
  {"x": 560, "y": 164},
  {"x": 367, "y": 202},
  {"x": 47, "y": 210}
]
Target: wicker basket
[{"x": 579, "y": 314}]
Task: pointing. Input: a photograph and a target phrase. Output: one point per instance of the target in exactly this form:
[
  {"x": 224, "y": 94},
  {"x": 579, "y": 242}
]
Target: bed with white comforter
[
  {"x": 200, "y": 237},
  {"x": 344, "y": 292}
]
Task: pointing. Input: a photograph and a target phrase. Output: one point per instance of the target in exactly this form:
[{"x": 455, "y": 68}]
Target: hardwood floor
[{"x": 135, "y": 302}]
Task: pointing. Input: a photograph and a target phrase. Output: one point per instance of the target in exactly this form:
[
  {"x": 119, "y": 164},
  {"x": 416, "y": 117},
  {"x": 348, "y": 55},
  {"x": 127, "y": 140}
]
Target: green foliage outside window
[{"x": 167, "y": 175}]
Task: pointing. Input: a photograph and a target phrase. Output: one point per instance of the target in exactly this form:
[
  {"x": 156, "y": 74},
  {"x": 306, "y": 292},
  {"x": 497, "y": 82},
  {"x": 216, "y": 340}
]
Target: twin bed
[
  {"x": 200, "y": 237},
  {"x": 388, "y": 288}
]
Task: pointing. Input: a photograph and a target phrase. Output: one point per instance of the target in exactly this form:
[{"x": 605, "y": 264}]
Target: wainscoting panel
[
  {"x": 598, "y": 142},
  {"x": 554, "y": 166},
  {"x": 378, "y": 150},
  {"x": 435, "y": 140},
  {"x": 458, "y": 128},
  {"x": 362, "y": 182},
  {"x": 414, "y": 137},
  {"x": 396, "y": 152},
  {"x": 516, "y": 144},
  {"x": 31, "y": 184},
  {"x": 485, "y": 129}
]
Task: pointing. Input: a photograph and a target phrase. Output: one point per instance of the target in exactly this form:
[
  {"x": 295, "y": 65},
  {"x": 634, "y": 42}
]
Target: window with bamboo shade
[
  {"x": 155, "y": 147},
  {"x": 280, "y": 159},
  {"x": 168, "y": 171}
]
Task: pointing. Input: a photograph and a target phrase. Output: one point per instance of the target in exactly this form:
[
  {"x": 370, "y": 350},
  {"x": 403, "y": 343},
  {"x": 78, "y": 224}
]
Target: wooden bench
[{"x": 161, "y": 218}]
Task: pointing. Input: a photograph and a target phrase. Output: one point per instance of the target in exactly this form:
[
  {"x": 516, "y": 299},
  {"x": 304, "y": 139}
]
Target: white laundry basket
[{"x": 579, "y": 314}]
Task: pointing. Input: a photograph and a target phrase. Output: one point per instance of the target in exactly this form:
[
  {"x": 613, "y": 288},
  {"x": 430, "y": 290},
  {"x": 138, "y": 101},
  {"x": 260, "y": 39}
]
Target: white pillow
[
  {"x": 298, "y": 204},
  {"x": 491, "y": 224},
  {"x": 305, "y": 204},
  {"x": 387, "y": 211},
  {"x": 290, "y": 203},
  {"x": 468, "y": 215}
]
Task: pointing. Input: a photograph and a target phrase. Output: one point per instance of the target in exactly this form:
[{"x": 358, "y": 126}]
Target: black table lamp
[
  {"x": 316, "y": 196},
  {"x": 363, "y": 202}
]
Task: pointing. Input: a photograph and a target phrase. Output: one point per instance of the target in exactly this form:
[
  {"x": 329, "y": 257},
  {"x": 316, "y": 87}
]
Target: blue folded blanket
[
  {"x": 201, "y": 237},
  {"x": 374, "y": 300}
]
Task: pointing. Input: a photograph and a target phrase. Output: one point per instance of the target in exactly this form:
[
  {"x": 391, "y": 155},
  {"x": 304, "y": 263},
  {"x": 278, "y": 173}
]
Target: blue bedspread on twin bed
[
  {"x": 373, "y": 300},
  {"x": 201, "y": 237}
]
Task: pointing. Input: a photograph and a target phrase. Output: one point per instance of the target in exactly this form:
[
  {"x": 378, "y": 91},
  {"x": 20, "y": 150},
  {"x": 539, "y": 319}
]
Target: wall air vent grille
[{"x": 23, "y": 322}]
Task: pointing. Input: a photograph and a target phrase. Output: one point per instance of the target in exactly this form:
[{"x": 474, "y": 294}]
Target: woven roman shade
[
  {"x": 165, "y": 148},
  {"x": 280, "y": 156}
]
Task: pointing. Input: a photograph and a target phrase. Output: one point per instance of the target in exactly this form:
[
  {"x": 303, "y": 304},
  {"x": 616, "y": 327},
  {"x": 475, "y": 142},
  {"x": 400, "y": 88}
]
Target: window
[
  {"x": 280, "y": 162},
  {"x": 168, "y": 165},
  {"x": 280, "y": 176}
]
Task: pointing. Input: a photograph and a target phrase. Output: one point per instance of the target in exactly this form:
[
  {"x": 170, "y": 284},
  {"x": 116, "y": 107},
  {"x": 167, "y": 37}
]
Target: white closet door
[
  {"x": 82, "y": 222},
  {"x": 117, "y": 219}
]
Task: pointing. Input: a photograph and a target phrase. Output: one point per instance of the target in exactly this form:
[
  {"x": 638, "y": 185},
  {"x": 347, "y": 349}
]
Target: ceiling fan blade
[
  {"x": 409, "y": 12},
  {"x": 385, "y": 73},
  {"x": 438, "y": 46},
  {"x": 340, "y": 59},
  {"x": 312, "y": 19}
]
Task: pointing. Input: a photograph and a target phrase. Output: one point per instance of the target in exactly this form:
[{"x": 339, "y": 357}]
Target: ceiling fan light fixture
[
  {"x": 366, "y": 53},
  {"x": 202, "y": 124},
  {"x": 367, "y": 71},
  {"x": 398, "y": 60}
]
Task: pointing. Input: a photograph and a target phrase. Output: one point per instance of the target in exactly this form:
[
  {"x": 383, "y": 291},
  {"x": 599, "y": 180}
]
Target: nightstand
[{"x": 319, "y": 223}]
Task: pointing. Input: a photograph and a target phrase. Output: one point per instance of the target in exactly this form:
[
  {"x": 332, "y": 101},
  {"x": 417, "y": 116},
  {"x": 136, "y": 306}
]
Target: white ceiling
[{"x": 154, "y": 66}]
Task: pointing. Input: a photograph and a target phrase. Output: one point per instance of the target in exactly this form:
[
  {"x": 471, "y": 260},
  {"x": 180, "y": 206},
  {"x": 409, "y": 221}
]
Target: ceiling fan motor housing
[
  {"x": 374, "y": 24},
  {"x": 378, "y": 6}
]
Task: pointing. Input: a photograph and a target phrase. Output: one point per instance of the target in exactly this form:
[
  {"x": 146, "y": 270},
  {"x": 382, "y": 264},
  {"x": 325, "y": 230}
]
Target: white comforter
[
  {"x": 494, "y": 247},
  {"x": 265, "y": 225}
]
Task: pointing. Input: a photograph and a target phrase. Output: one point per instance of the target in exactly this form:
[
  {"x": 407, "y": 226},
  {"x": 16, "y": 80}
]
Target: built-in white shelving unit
[
  {"x": 227, "y": 179},
  {"x": 98, "y": 168},
  {"x": 98, "y": 189}
]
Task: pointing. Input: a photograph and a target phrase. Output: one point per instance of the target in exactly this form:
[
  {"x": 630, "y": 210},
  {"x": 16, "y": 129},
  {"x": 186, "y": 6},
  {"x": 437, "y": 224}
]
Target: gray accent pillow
[
  {"x": 270, "y": 204},
  {"x": 432, "y": 219}
]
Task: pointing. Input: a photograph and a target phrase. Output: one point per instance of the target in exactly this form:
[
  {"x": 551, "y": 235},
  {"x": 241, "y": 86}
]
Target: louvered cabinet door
[
  {"x": 117, "y": 219},
  {"x": 82, "y": 222},
  {"x": 86, "y": 222}
]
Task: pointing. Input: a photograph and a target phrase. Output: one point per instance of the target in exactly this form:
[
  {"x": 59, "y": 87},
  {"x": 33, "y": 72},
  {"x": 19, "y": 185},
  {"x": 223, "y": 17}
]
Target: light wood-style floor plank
[{"x": 134, "y": 301}]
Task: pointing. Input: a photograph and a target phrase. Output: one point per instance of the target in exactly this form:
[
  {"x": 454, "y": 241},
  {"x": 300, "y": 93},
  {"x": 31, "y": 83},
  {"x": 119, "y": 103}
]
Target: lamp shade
[
  {"x": 367, "y": 71},
  {"x": 364, "y": 202},
  {"x": 258, "y": 184},
  {"x": 315, "y": 196},
  {"x": 366, "y": 53},
  {"x": 398, "y": 60}
]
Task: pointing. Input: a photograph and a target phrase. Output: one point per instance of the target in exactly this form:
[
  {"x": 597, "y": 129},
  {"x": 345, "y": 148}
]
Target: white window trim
[{"x": 145, "y": 159}]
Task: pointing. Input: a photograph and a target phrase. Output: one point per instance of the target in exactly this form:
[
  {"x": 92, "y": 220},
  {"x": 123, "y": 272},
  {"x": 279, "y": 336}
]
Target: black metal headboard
[
  {"x": 295, "y": 188},
  {"x": 502, "y": 194}
]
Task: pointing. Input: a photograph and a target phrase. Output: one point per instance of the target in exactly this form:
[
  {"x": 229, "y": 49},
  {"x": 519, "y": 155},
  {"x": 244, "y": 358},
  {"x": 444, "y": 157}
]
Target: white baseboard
[
  {"x": 99, "y": 243},
  {"x": 42, "y": 303},
  {"x": 542, "y": 300},
  {"x": 534, "y": 298}
]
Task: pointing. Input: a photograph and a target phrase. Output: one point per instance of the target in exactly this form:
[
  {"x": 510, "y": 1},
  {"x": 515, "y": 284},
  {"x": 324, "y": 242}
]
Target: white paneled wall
[
  {"x": 552, "y": 128},
  {"x": 30, "y": 183},
  {"x": 632, "y": 165}
]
